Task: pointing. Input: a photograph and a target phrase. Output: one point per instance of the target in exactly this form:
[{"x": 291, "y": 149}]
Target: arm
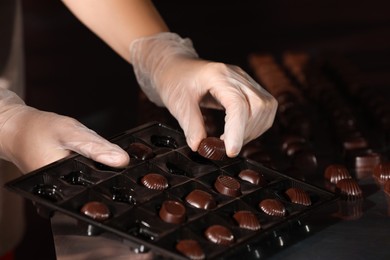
[
  {"x": 118, "y": 22},
  {"x": 170, "y": 73}
]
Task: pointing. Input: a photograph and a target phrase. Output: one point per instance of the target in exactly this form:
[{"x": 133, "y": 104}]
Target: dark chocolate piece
[
  {"x": 381, "y": 172},
  {"x": 164, "y": 141},
  {"x": 155, "y": 181},
  {"x": 96, "y": 210},
  {"x": 219, "y": 234},
  {"x": 191, "y": 249},
  {"x": 247, "y": 220},
  {"x": 201, "y": 199},
  {"x": 212, "y": 148},
  {"x": 227, "y": 185},
  {"x": 140, "y": 151},
  {"x": 336, "y": 172},
  {"x": 252, "y": 176},
  {"x": 349, "y": 189},
  {"x": 354, "y": 142},
  {"x": 273, "y": 207},
  {"x": 172, "y": 211},
  {"x": 298, "y": 196}
]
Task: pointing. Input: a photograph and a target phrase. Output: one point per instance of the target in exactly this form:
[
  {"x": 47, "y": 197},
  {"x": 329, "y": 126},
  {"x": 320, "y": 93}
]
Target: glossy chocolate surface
[
  {"x": 212, "y": 148},
  {"x": 155, "y": 181},
  {"x": 190, "y": 248},
  {"x": 273, "y": 207},
  {"x": 227, "y": 185},
  {"x": 201, "y": 199},
  {"x": 172, "y": 212},
  {"x": 247, "y": 220},
  {"x": 219, "y": 234},
  {"x": 96, "y": 210}
]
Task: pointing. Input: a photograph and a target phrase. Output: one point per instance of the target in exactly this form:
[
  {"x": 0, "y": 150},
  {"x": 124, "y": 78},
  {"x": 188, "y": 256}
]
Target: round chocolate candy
[
  {"x": 273, "y": 207},
  {"x": 201, "y": 199},
  {"x": 140, "y": 151},
  {"x": 212, "y": 148},
  {"x": 247, "y": 220},
  {"x": 219, "y": 234},
  {"x": 155, "y": 181},
  {"x": 298, "y": 196},
  {"x": 96, "y": 210},
  {"x": 191, "y": 249},
  {"x": 172, "y": 211},
  {"x": 252, "y": 176},
  {"x": 336, "y": 172},
  {"x": 381, "y": 172},
  {"x": 349, "y": 189},
  {"x": 227, "y": 185}
]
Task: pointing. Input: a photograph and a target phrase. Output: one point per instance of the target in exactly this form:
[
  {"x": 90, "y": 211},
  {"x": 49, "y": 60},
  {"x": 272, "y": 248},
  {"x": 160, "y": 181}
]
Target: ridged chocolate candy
[
  {"x": 382, "y": 172},
  {"x": 227, "y": 185},
  {"x": 219, "y": 234},
  {"x": 247, "y": 220},
  {"x": 191, "y": 249},
  {"x": 212, "y": 148},
  {"x": 336, "y": 172},
  {"x": 154, "y": 181},
  {"x": 201, "y": 199},
  {"x": 349, "y": 189},
  {"x": 298, "y": 196},
  {"x": 273, "y": 207}
]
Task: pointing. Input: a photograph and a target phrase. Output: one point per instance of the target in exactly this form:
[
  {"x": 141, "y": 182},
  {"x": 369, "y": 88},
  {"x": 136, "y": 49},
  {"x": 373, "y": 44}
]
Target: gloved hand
[
  {"x": 31, "y": 138},
  {"x": 170, "y": 73}
]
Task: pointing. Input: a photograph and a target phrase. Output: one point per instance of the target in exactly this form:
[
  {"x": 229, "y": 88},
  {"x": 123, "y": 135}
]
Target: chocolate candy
[
  {"x": 96, "y": 210},
  {"x": 201, "y": 199},
  {"x": 252, "y": 176},
  {"x": 336, "y": 172},
  {"x": 191, "y": 249},
  {"x": 227, "y": 185},
  {"x": 140, "y": 151},
  {"x": 349, "y": 189},
  {"x": 219, "y": 234},
  {"x": 247, "y": 220},
  {"x": 381, "y": 172},
  {"x": 298, "y": 196},
  {"x": 273, "y": 207},
  {"x": 154, "y": 181},
  {"x": 212, "y": 148},
  {"x": 172, "y": 211}
]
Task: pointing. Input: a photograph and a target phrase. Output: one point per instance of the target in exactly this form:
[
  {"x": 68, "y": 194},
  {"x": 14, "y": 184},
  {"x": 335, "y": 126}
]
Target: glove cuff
[{"x": 150, "y": 54}]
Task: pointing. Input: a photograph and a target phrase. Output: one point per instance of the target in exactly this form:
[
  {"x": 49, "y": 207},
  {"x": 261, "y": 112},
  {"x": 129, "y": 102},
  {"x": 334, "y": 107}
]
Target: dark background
[{"x": 72, "y": 72}]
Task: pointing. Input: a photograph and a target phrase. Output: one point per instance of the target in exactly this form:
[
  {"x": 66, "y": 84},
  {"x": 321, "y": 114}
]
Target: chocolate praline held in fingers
[
  {"x": 212, "y": 148},
  {"x": 247, "y": 220},
  {"x": 227, "y": 185},
  {"x": 201, "y": 199},
  {"x": 96, "y": 210},
  {"x": 219, "y": 234},
  {"x": 191, "y": 249},
  {"x": 154, "y": 181}
]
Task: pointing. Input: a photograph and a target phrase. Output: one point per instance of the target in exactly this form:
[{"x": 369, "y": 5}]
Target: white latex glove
[
  {"x": 31, "y": 138},
  {"x": 170, "y": 73}
]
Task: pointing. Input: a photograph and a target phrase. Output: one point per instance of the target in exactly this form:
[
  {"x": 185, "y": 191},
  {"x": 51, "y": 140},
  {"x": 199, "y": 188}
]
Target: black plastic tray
[{"x": 137, "y": 221}]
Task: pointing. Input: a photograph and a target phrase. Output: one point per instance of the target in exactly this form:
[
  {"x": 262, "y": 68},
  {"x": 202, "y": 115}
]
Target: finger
[
  {"x": 86, "y": 142},
  {"x": 190, "y": 119}
]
